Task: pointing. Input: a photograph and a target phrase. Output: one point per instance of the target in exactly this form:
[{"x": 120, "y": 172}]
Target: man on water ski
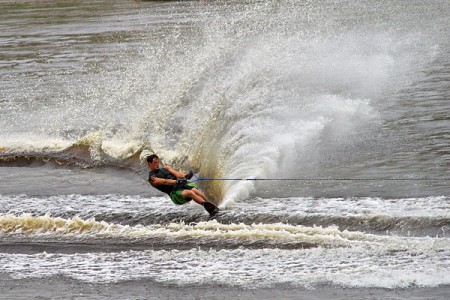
[{"x": 176, "y": 185}]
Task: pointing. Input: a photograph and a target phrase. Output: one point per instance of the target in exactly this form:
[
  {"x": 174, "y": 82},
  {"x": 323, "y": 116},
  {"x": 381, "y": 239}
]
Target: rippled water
[{"x": 319, "y": 92}]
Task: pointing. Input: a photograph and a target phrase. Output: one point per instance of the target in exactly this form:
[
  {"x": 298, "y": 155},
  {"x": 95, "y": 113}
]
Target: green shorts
[{"x": 176, "y": 196}]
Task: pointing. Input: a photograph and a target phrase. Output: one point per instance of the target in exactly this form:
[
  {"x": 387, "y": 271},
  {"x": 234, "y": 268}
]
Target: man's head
[{"x": 153, "y": 161}]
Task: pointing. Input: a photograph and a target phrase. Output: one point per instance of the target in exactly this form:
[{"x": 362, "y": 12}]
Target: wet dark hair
[{"x": 150, "y": 158}]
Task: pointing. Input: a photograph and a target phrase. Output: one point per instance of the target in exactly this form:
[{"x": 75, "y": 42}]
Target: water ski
[{"x": 211, "y": 208}]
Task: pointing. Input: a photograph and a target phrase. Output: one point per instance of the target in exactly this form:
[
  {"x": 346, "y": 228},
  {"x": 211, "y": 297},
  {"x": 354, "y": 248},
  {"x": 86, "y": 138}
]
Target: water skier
[{"x": 176, "y": 185}]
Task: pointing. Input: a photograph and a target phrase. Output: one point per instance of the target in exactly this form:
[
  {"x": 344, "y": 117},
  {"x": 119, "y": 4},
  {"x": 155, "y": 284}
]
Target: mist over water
[
  {"x": 279, "y": 90},
  {"x": 272, "y": 89}
]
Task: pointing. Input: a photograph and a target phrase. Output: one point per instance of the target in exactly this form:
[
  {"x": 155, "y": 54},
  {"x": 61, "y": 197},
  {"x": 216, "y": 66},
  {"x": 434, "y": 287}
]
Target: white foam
[
  {"x": 269, "y": 234},
  {"x": 344, "y": 267},
  {"x": 89, "y": 205},
  {"x": 33, "y": 143}
]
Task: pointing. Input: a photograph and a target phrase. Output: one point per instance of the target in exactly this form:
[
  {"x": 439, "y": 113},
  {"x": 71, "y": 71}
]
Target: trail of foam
[
  {"x": 46, "y": 225},
  {"x": 89, "y": 151},
  {"x": 356, "y": 267},
  {"x": 407, "y": 217},
  {"x": 436, "y": 206},
  {"x": 267, "y": 234}
]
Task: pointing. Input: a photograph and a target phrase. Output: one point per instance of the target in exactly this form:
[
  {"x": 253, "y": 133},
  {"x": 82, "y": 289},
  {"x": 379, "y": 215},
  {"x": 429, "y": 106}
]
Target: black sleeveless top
[{"x": 162, "y": 173}]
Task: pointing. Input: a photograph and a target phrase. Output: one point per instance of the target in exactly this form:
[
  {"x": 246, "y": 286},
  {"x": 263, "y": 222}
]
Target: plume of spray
[
  {"x": 265, "y": 90},
  {"x": 237, "y": 89}
]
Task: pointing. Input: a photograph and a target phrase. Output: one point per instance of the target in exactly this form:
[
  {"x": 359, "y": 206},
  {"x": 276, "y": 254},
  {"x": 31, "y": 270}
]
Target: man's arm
[
  {"x": 161, "y": 181},
  {"x": 176, "y": 174}
]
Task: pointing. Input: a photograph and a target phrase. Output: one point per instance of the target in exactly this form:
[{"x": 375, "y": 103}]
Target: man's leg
[
  {"x": 201, "y": 199},
  {"x": 194, "y": 196},
  {"x": 200, "y": 194},
  {"x": 198, "y": 197}
]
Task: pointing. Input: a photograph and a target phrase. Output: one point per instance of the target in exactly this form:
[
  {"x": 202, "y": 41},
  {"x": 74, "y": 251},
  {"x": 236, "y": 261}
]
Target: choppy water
[{"x": 272, "y": 89}]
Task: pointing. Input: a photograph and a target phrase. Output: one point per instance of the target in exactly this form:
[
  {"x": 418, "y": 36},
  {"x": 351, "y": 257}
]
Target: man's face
[{"x": 154, "y": 164}]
